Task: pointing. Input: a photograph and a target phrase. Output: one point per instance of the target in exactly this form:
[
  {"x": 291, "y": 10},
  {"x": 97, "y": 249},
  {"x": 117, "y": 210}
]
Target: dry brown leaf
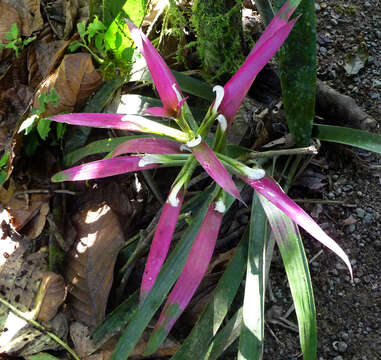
[
  {"x": 63, "y": 15},
  {"x": 29, "y": 11},
  {"x": 74, "y": 80},
  {"x": 85, "y": 348},
  {"x": 21, "y": 274},
  {"x": 349, "y": 221},
  {"x": 90, "y": 263},
  {"x": 52, "y": 293},
  {"x": 23, "y": 209},
  {"x": 43, "y": 57}
]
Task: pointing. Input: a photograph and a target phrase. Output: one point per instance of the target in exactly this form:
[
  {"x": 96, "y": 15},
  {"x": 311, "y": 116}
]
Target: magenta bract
[
  {"x": 272, "y": 192},
  {"x": 161, "y": 74},
  {"x": 238, "y": 86},
  {"x": 149, "y": 146},
  {"x": 160, "y": 244},
  {"x": 193, "y": 271},
  {"x": 213, "y": 166},
  {"x": 102, "y": 168}
]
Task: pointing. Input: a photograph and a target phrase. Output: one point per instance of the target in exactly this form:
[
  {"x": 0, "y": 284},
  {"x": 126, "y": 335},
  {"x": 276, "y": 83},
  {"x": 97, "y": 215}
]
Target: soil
[{"x": 348, "y": 315}]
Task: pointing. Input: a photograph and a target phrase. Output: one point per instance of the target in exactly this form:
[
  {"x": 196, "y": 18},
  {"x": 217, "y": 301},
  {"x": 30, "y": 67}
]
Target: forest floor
[{"x": 340, "y": 188}]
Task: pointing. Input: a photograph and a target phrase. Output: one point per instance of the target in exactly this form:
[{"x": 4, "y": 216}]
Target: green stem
[{"x": 40, "y": 327}]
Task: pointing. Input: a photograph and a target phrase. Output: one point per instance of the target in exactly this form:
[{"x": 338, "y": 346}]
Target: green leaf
[
  {"x": 115, "y": 11},
  {"x": 196, "y": 344},
  {"x": 3, "y": 176},
  {"x": 297, "y": 62},
  {"x": 291, "y": 248},
  {"x": 13, "y": 32},
  {"x": 353, "y": 137},
  {"x": 164, "y": 282},
  {"x": 99, "y": 43},
  {"x": 41, "y": 356},
  {"x": 194, "y": 86},
  {"x": 52, "y": 97},
  {"x": 13, "y": 45},
  {"x": 74, "y": 46},
  {"x": 61, "y": 129},
  {"x": 117, "y": 320},
  {"x": 29, "y": 40},
  {"x": 98, "y": 147},
  {"x": 95, "y": 27},
  {"x": 81, "y": 27},
  {"x": 226, "y": 336},
  {"x": 252, "y": 330},
  {"x": 43, "y": 128},
  {"x": 118, "y": 40},
  {"x": 4, "y": 158}
]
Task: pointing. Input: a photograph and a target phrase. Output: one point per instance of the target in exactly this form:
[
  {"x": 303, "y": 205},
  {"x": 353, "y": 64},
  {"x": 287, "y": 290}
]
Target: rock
[
  {"x": 317, "y": 7},
  {"x": 323, "y": 50},
  {"x": 378, "y": 34},
  {"x": 360, "y": 212},
  {"x": 368, "y": 218},
  {"x": 333, "y": 22}
]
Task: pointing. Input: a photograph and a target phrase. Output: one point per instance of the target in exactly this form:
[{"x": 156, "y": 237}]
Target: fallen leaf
[
  {"x": 355, "y": 62},
  {"x": 52, "y": 293},
  {"x": 43, "y": 57},
  {"x": 21, "y": 274},
  {"x": 91, "y": 261},
  {"x": 74, "y": 80},
  {"x": 30, "y": 15},
  {"x": 349, "y": 221}
]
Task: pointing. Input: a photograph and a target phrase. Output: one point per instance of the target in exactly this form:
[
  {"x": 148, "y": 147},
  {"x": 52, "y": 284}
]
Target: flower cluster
[{"x": 187, "y": 147}]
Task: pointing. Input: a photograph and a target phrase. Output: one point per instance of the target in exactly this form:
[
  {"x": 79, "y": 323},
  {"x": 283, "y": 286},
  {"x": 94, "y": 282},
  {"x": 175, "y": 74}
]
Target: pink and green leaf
[
  {"x": 161, "y": 74},
  {"x": 279, "y": 20},
  {"x": 189, "y": 279},
  {"x": 213, "y": 166},
  {"x": 102, "y": 168},
  {"x": 238, "y": 86},
  {"x": 272, "y": 192},
  {"x": 148, "y": 145},
  {"x": 160, "y": 244},
  {"x": 120, "y": 121}
]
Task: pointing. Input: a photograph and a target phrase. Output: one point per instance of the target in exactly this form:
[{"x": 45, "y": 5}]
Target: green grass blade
[
  {"x": 353, "y": 137},
  {"x": 290, "y": 244},
  {"x": 117, "y": 319},
  {"x": 226, "y": 336},
  {"x": 164, "y": 282},
  {"x": 196, "y": 344},
  {"x": 98, "y": 147},
  {"x": 297, "y": 60},
  {"x": 252, "y": 330},
  {"x": 41, "y": 356}
]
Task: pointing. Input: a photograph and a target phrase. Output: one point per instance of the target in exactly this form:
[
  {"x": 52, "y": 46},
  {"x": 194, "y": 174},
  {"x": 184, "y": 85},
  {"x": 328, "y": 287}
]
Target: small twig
[
  {"x": 325, "y": 202},
  {"x": 273, "y": 334},
  {"x": 273, "y": 153},
  {"x": 45, "y": 191},
  {"x": 40, "y": 327}
]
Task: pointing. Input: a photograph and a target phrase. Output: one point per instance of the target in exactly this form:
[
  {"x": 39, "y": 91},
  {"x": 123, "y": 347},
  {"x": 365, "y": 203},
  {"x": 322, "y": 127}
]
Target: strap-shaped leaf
[
  {"x": 252, "y": 330},
  {"x": 98, "y": 147},
  {"x": 164, "y": 282},
  {"x": 196, "y": 344},
  {"x": 290, "y": 244},
  {"x": 353, "y": 137},
  {"x": 103, "y": 168},
  {"x": 190, "y": 277}
]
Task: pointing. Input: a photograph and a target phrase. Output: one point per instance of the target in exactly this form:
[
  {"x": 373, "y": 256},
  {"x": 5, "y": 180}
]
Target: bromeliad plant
[{"x": 188, "y": 147}]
